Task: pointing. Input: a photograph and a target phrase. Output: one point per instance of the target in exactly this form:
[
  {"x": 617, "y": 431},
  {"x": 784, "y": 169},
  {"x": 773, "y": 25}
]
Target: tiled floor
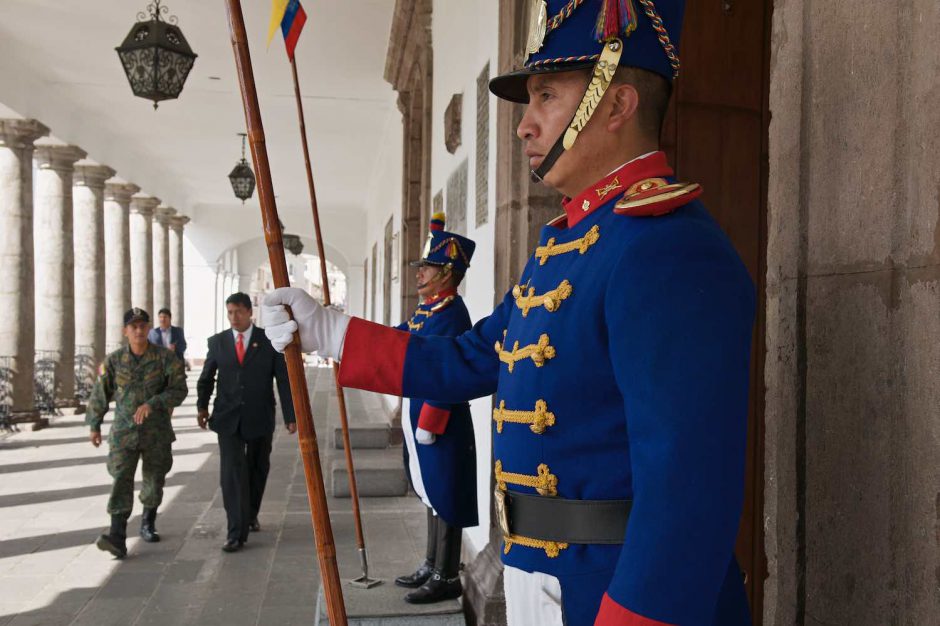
[{"x": 53, "y": 491}]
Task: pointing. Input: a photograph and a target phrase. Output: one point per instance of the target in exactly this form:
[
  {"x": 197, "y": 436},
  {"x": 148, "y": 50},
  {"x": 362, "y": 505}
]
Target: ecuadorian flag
[{"x": 291, "y": 17}]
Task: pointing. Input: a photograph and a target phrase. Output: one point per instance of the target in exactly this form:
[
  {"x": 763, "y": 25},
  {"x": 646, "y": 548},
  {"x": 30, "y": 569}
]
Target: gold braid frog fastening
[
  {"x": 542, "y": 253},
  {"x": 538, "y": 420},
  {"x": 545, "y": 483},
  {"x": 551, "y": 300},
  {"x": 539, "y": 353}
]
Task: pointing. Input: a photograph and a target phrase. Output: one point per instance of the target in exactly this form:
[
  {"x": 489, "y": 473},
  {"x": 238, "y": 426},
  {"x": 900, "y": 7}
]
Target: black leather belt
[{"x": 562, "y": 520}]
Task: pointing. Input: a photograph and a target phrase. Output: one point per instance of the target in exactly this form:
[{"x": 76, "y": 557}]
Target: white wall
[{"x": 465, "y": 39}]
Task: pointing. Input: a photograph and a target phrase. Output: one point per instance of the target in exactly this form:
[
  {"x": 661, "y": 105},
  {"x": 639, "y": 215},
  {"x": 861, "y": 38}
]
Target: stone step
[
  {"x": 364, "y": 436},
  {"x": 384, "y": 606},
  {"x": 379, "y": 473}
]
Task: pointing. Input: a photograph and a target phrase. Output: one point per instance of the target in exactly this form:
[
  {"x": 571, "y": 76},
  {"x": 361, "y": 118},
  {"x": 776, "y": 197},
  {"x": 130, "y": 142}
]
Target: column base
[
  {"x": 31, "y": 417},
  {"x": 483, "y": 601},
  {"x": 70, "y": 406}
]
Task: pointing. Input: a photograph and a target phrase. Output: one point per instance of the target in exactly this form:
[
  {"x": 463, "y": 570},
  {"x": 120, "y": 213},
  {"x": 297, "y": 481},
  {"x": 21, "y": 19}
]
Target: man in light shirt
[{"x": 167, "y": 335}]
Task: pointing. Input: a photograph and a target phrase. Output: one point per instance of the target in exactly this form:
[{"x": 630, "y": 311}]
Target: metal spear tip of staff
[{"x": 310, "y": 454}]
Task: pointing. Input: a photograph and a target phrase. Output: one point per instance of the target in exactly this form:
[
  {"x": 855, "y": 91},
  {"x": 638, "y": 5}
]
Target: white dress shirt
[{"x": 246, "y": 335}]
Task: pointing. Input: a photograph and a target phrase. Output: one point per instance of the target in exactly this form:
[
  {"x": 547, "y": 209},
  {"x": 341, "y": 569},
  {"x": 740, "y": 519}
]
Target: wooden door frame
[{"x": 408, "y": 68}]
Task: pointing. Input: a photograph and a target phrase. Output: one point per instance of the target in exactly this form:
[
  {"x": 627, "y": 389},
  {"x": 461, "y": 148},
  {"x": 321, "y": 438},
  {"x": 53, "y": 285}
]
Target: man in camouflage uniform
[{"x": 145, "y": 382}]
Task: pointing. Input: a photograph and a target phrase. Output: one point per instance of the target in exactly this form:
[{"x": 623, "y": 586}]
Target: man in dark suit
[
  {"x": 168, "y": 336},
  {"x": 243, "y": 413}
]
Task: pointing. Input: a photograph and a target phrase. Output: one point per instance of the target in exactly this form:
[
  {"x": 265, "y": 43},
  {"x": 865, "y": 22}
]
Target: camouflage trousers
[{"x": 122, "y": 465}]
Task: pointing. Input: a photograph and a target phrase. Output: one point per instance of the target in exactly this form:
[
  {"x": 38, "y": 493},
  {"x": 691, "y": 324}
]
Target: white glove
[
  {"x": 425, "y": 437},
  {"x": 321, "y": 329}
]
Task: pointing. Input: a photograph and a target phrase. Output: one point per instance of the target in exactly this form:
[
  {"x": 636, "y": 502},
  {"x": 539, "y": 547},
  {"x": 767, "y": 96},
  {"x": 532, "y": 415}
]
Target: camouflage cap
[{"x": 135, "y": 315}]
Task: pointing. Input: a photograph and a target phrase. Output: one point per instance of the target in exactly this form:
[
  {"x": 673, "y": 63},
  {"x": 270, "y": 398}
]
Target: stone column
[
  {"x": 88, "y": 200},
  {"x": 142, "y": 208},
  {"x": 55, "y": 274},
  {"x": 177, "y": 307},
  {"x": 17, "y": 349},
  {"x": 117, "y": 260},
  {"x": 161, "y": 258}
]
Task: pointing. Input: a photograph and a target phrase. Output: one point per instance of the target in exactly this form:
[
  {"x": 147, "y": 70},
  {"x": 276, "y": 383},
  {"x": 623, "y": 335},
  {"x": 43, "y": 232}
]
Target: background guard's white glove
[
  {"x": 425, "y": 437},
  {"x": 321, "y": 329}
]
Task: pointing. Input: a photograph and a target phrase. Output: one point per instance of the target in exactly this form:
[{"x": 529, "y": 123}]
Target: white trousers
[{"x": 532, "y": 599}]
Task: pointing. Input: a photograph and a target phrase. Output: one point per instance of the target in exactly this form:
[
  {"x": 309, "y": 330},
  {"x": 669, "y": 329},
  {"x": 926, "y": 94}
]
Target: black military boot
[
  {"x": 148, "y": 526},
  {"x": 421, "y": 575},
  {"x": 417, "y": 578},
  {"x": 436, "y": 589},
  {"x": 115, "y": 541},
  {"x": 444, "y": 582}
]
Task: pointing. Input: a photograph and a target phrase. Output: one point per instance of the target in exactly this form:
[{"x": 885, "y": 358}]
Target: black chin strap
[{"x": 538, "y": 174}]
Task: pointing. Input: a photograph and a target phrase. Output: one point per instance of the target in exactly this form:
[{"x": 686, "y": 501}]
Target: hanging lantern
[
  {"x": 155, "y": 56},
  {"x": 241, "y": 177},
  {"x": 292, "y": 243}
]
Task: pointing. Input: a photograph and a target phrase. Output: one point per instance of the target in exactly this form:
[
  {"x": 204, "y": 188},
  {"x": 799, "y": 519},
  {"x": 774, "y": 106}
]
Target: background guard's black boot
[
  {"x": 421, "y": 575},
  {"x": 444, "y": 583},
  {"x": 115, "y": 541},
  {"x": 148, "y": 526},
  {"x": 418, "y": 578}
]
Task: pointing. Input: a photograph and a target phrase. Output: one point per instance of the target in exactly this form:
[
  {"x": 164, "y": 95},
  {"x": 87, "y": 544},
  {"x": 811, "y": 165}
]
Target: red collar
[
  {"x": 610, "y": 187},
  {"x": 440, "y": 296}
]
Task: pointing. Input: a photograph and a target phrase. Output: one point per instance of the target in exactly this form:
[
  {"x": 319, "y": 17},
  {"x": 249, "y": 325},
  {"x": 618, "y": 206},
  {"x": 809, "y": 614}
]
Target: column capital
[
  {"x": 92, "y": 176},
  {"x": 21, "y": 133},
  {"x": 120, "y": 192},
  {"x": 178, "y": 221},
  {"x": 60, "y": 158},
  {"x": 144, "y": 205},
  {"x": 163, "y": 215}
]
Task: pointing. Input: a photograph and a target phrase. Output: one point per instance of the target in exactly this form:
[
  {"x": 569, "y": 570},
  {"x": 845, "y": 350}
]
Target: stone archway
[{"x": 408, "y": 68}]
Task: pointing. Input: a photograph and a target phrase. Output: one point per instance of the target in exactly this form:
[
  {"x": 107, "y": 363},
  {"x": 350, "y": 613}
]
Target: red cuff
[
  {"x": 612, "y": 614},
  {"x": 373, "y": 357},
  {"x": 433, "y": 419}
]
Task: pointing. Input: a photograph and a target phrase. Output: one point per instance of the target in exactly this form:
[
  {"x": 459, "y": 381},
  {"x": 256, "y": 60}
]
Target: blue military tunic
[
  {"x": 448, "y": 466},
  {"x": 620, "y": 369}
]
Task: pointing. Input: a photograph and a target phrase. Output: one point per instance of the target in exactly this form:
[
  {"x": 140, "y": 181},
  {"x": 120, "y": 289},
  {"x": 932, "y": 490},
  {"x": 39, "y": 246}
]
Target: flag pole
[
  {"x": 310, "y": 454},
  {"x": 363, "y": 581}
]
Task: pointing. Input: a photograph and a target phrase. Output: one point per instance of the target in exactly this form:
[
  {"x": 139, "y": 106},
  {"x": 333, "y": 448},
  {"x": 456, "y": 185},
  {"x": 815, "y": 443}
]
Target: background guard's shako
[
  {"x": 444, "y": 249},
  {"x": 567, "y": 35}
]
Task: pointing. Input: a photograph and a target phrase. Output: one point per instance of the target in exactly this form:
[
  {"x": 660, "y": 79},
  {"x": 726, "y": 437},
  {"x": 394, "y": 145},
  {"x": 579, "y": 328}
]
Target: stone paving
[{"x": 53, "y": 494}]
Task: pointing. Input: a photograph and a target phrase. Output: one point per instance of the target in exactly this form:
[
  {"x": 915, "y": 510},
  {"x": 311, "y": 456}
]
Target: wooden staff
[
  {"x": 326, "y": 551},
  {"x": 364, "y": 580}
]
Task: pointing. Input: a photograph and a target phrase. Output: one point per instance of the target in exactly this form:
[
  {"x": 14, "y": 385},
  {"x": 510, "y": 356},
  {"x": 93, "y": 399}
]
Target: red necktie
[{"x": 240, "y": 349}]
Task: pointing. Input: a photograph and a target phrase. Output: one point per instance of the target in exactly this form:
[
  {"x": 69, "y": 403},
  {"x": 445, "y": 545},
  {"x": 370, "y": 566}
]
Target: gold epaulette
[
  {"x": 656, "y": 196},
  {"x": 442, "y": 304}
]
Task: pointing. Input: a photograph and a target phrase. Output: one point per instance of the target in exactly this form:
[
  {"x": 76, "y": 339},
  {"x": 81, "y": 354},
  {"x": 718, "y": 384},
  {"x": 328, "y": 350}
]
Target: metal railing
[
  {"x": 6, "y": 392},
  {"x": 84, "y": 371},
  {"x": 46, "y": 386}
]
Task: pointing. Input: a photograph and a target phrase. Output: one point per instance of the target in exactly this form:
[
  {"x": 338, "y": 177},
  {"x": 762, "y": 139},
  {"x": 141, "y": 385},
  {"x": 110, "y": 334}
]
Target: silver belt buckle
[{"x": 502, "y": 514}]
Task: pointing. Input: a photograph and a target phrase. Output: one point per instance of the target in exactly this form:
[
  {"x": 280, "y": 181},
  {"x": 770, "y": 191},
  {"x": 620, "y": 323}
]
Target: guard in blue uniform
[
  {"x": 439, "y": 451},
  {"x": 620, "y": 360}
]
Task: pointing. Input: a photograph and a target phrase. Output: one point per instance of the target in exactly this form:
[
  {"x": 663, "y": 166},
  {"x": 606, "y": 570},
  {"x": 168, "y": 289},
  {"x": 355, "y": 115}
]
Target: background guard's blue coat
[{"x": 448, "y": 466}]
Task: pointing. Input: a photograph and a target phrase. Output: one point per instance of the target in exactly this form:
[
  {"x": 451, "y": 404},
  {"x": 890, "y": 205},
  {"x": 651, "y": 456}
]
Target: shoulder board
[{"x": 656, "y": 196}]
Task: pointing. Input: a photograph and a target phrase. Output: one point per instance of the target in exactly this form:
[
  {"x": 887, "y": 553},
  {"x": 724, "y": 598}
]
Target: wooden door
[{"x": 716, "y": 135}]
